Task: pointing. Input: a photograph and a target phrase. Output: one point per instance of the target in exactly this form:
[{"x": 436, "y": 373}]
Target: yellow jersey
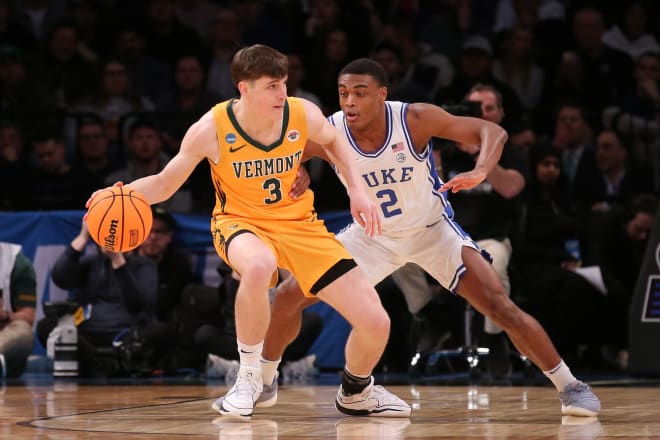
[{"x": 253, "y": 180}]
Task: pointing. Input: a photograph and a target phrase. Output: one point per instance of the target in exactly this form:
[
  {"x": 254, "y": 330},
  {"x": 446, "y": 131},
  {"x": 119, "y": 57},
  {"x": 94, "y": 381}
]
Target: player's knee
[
  {"x": 259, "y": 272},
  {"x": 289, "y": 296},
  {"x": 378, "y": 322}
]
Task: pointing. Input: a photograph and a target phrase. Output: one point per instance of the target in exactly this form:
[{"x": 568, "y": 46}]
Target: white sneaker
[
  {"x": 217, "y": 367},
  {"x": 240, "y": 399},
  {"x": 372, "y": 401}
]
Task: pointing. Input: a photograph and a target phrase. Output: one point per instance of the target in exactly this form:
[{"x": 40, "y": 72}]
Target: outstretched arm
[{"x": 427, "y": 120}]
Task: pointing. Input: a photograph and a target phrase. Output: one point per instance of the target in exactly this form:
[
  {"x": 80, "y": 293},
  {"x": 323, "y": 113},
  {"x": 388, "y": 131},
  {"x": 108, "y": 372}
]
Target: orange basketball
[{"x": 119, "y": 219}]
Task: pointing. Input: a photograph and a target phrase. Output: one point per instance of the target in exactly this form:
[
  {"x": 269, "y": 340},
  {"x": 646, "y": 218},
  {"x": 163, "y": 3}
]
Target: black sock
[{"x": 352, "y": 384}]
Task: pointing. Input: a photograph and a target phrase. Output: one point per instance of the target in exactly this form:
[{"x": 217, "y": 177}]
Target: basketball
[{"x": 119, "y": 219}]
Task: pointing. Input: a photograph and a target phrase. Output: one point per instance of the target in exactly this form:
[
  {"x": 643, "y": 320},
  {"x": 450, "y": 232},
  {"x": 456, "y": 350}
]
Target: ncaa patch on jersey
[
  {"x": 400, "y": 157},
  {"x": 293, "y": 135},
  {"x": 230, "y": 138}
]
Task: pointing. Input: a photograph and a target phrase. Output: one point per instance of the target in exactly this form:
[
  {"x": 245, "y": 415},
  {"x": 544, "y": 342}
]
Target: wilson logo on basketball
[{"x": 109, "y": 240}]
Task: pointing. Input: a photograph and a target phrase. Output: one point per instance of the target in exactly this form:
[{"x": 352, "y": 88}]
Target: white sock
[
  {"x": 268, "y": 369},
  {"x": 250, "y": 355},
  {"x": 560, "y": 376}
]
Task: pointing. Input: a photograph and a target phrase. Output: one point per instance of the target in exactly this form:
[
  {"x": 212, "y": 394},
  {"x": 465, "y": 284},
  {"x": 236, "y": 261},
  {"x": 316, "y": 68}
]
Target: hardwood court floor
[{"x": 139, "y": 412}]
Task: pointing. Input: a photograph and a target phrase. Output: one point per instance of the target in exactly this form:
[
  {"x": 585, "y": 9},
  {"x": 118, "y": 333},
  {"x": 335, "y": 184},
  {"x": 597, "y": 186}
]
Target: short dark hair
[
  {"x": 366, "y": 66},
  {"x": 481, "y": 87},
  {"x": 256, "y": 61}
]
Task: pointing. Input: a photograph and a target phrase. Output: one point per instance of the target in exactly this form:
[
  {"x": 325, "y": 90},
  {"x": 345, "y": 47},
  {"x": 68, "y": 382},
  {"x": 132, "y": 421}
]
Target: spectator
[
  {"x": 637, "y": 114},
  {"x": 326, "y": 61},
  {"x": 598, "y": 73},
  {"x": 166, "y": 37},
  {"x": 225, "y": 36},
  {"x": 65, "y": 72},
  {"x": 391, "y": 58},
  {"x": 617, "y": 180},
  {"x": 145, "y": 157},
  {"x": 54, "y": 183},
  {"x": 89, "y": 16},
  {"x": 151, "y": 77},
  {"x": 573, "y": 136},
  {"x": 14, "y": 167},
  {"x": 96, "y": 156},
  {"x": 617, "y": 242},
  {"x": 474, "y": 66},
  {"x": 196, "y": 15},
  {"x": 114, "y": 98},
  {"x": 18, "y": 293},
  {"x": 424, "y": 66},
  {"x": 118, "y": 290},
  {"x": 22, "y": 96},
  {"x": 174, "y": 274},
  {"x": 516, "y": 67},
  {"x": 40, "y": 16},
  {"x": 554, "y": 292},
  {"x": 187, "y": 102},
  {"x": 296, "y": 78},
  {"x": 14, "y": 33},
  {"x": 631, "y": 34}
]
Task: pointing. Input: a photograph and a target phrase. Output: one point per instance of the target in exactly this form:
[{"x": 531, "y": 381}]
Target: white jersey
[
  {"x": 417, "y": 218},
  {"x": 399, "y": 180}
]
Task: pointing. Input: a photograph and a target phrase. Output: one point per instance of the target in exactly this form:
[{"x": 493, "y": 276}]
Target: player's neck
[
  {"x": 371, "y": 136},
  {"x": 253, "y": 122}
]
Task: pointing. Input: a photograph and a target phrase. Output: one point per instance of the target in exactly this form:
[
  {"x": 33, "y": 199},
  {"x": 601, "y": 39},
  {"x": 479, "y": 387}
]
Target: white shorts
[{"x": 435, "y": 248}]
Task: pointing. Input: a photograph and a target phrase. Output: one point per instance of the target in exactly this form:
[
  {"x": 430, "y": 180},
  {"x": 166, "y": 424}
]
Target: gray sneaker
[{"x": 577, "y": 399}]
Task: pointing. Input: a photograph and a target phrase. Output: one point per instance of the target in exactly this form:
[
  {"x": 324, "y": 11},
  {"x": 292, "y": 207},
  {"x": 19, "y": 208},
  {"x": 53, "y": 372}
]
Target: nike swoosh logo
[{"x": 234, "y": 150}]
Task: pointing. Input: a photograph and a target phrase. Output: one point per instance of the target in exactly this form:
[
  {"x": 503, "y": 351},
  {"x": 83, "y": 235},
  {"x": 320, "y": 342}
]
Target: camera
[{"x": 464, "y": 108}]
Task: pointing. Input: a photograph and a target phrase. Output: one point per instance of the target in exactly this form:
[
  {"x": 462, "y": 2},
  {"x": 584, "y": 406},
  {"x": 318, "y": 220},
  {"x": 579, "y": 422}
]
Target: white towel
[{"x": 8, "y": 252}]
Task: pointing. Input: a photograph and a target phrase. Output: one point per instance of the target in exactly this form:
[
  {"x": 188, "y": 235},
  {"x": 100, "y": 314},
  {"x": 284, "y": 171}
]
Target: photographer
[{"x": 116, "y": 290}]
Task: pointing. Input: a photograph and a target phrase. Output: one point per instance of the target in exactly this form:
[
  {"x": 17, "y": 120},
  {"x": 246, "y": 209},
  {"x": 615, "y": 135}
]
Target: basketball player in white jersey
[{"x": 391, "y": 145}]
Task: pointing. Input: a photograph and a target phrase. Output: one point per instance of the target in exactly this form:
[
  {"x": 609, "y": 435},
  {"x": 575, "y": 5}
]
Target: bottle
[
  {"x": 62, "y": 347},
  {"x": 573, "y": 248}
]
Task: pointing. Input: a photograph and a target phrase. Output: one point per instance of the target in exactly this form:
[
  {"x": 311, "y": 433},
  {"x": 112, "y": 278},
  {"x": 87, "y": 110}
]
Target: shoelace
[{"x": 245, "y": 386}]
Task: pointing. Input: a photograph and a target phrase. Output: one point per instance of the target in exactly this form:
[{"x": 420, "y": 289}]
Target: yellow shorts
[{"x": 304, "y": 248}]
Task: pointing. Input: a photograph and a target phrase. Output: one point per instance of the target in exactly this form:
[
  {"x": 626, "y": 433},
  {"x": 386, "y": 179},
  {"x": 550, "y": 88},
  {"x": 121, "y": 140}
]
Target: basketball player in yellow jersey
[{"x": 254, "y": 145}]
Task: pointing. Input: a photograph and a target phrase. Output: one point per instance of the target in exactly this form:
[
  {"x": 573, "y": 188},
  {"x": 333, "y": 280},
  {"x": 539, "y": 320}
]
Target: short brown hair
[
  {"x": 480, "y": 87},
  {"x": 256, "y": 61}
]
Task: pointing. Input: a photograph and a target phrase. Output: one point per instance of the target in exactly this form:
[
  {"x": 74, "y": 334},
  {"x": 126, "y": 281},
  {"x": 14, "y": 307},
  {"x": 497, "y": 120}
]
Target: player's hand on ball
[{"x": 94, "y": 194}]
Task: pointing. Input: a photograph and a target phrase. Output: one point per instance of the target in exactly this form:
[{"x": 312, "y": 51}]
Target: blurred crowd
[{"x": 96, "y": 91}]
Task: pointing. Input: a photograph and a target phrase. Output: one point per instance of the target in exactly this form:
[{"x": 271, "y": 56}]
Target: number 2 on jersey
[{"x": 387, "y": 205}]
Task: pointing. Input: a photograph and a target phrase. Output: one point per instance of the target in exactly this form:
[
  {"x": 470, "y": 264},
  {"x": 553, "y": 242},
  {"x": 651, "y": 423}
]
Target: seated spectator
[
  {"x": 95, "y": 155},
  {"x": 114, "y": 98},
  {"x": 556, "y": 295},
  {"x": 617, "y": 180},
  {"x": 631, "y": 34},
  {"x": 63, "y": 69},
  {"x": 18, "y": 296},
  {"x": 54, "y": 183},
  {"x": 118, "y": 292},
  {"x": 174, "y": 274},
  {"x": 186, "y": 103},
  {"x": 14, "y": 167},
  {"x": 637, "y": 114},
  {"x": 145, "y": 157},
  {"x": 617, "y": 242},
  {"x": 151, "y": 77}
]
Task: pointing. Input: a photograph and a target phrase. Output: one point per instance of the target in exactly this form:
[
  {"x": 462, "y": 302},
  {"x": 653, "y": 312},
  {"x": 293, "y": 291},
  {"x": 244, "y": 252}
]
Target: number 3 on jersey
[
  {"x": 274, "y": 187},
  {"x": 387, "y": 205}
]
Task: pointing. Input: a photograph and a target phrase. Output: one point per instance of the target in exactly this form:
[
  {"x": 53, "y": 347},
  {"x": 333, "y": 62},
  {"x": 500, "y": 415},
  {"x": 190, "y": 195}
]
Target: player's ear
[{"x": 382, "y": 93}]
